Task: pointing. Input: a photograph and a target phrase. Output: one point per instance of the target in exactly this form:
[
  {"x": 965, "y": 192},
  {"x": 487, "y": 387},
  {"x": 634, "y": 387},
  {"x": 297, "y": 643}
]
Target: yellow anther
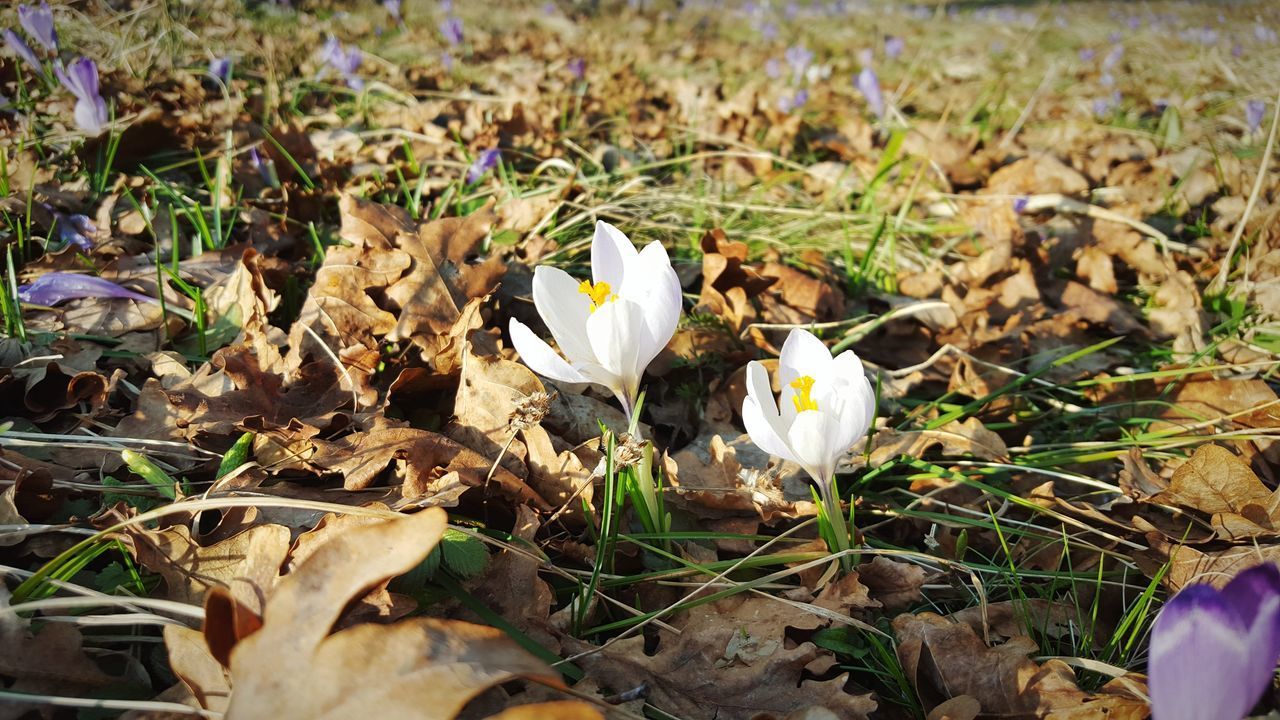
[
  {"x": 803, "y": 385},
  {"x": 599, "y": 293}
]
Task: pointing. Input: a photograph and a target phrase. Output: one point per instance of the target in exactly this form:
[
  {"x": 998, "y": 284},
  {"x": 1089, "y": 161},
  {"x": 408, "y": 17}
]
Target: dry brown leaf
[
  {"x": 731, "y": 661},
  {"x": 956, "y": 438},
  {"x": 709, "y": 483},
  {"x": 247, "y": 564},
  {"x": 891, "y": 583},
  {"x": 728, "y": 287},
  {"x": 294, "y": 668},
  {"x": 1216, "y": 482},
  {"x": 419, "y": 456},
  {"x": 51, "y": 660},
  {"x": 944, "y": 659},
  {"x": 562, "y": 710}
]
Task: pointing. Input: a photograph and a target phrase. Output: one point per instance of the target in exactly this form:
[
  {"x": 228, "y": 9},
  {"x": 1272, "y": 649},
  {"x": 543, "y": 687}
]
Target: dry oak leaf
[
  {"x": 1218, "y": 483},
  {"x": 490, "y": 390},
  {"x": 421, "y": 456},
  {"x": 710, "y": 485},
  {"x": 561, "y": 710},
  {"x": 1188, "y": 566},
  {"x": 1247, "y": 401},
  {"x": 51, "y": 660},
  {"x": 956, "y": 438},
  {"x": 891, "y": 583},
  {"x": 731, "y": 661},
  {"x": 727, "y": 286},
  {"x": 945, "y": 659},
  {"x": 1036, "y": 175},
  {"x": 423, "y": 668},
  {"x": 247, "y": 564}
]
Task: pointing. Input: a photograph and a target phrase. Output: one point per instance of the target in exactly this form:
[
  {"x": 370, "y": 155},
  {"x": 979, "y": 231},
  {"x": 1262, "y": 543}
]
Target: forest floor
[{"x": 1051, "y": 232}]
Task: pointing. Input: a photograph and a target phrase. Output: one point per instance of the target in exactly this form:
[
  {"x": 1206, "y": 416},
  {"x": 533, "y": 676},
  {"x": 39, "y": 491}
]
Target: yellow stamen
[
  {"x": 803, "y": 385},
  {"x": 599, "y": 293}
]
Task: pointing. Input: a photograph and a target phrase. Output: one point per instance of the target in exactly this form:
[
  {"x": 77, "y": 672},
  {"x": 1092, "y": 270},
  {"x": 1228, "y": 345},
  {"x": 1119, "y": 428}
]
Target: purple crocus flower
[
  {"x": 773, "y": 68},
  {"x": 446, "y": 61},
  {"x": 56, "y": 287},
  {"x": 20, "y": 48},
  {"x": 484, "y": 162},
  {"x": 220, "y": 68},
  {"x": 578, "y": 68},
  {"x": 345, "y": 60},
  {"x": 38, "y": 22},
  {"x": 1253, "y": 111},
  {"x": 798, "y": 57},
  {"x": 790, "y": 103},
  {"x": 392, "y": 8},
  {"x": 265, "y": 167},
  {"x": 1020, "y": 203},
  {"x": 1213, "y": 652},
  {"x": 81, "y": 79},
  {"x": 768, "y": 31},
  {"x": 1087, "y": 54},
  {"x": 1113, "y": 57},
  {"x": 451, "y": 29},
  {"x": 893, "y": 47},
  {"x": 75, "y": 230},
  {"x": 869, "y": 85}
]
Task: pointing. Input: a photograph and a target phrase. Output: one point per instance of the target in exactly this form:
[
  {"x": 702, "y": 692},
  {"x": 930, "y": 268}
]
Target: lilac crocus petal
[
  {"x": 266, "y": 168},
  {"x": 1020, "y": 203},
  {"x": 1213, "y": 652},
  {"x": 1253, "y": 112},
  {"x": 773, "y": 68},
  {"x": 220, "y": 68},
  {"x": 57, "y": 287},
  {"x": 393, "y": 8},
  {"x": 578, "y": 68},
  {"x": 869, "y": 85},
  {"x": 798, "y": 57},
  {"x": 75, "y": 230},
  {"x": 893, "y": 47},
  {"x": 20, "y": 48},
  {"x": 38, "y": 22},
  {"x": 1087, "y": 54},
  {"x": 484, "y": 162},
  {"x": 81, "y": 79},
  {"x": 451, "y": 29}
]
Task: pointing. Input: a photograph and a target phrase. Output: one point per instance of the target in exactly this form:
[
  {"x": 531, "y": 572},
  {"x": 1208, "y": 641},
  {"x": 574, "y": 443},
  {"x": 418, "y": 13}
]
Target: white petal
[
  {"x": 539, "y": 356},
  {"x": 858, "y": 409},
  {"x": 661, "y": 303},
  {"x": 760, "y": 414},
  {"x": 803, "y": 354},
  {"x": 617, "y": 333},
  {"x": 815, "y": 438},
  {"x": 847, "y": 366},
  {"x": 611, "y": 252},
  {"x": 564, "y": 310}
]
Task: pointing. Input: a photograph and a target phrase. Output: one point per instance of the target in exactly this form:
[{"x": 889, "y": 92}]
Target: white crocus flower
[
  {"x": 827, "y": 405},
  {"x": 608, "y": 328}
]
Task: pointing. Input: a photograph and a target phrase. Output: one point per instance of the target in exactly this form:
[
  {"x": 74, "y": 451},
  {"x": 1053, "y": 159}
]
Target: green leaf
[
  {"x": 141, "y": 502},
  {"x": 463, "y": 555}
]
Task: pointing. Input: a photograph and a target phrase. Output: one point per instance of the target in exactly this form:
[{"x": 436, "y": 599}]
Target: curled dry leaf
[
  {"x": 731, "y": 661},
  {"x": 956, "y": 439},
  {"x": 293, "y": 667},
  {"x": 1218, "y": 483},
  {"x": 728, "y": 287},
  {"x": 945, "y": 659},
  {"x": 48, "y": 660},
  {"x": 713, "y": 484},
  {"x": 893, "y": 584},
  {"x": 247, "y": 564}
]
